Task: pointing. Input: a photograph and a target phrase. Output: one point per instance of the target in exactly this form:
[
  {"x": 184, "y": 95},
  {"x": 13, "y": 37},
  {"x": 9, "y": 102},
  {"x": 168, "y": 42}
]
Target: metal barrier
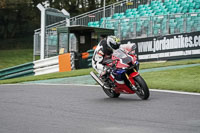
[
  {"x": 46, "y": 66},
  {"x": 51, "y": 40},
  {"x": 17, "y": 71},
  {"x": 85, "y": 62},
  {"x": 91, "y": 52},
  {"x": 39, "y": 67},
  {"x": 49, "y": 16}
]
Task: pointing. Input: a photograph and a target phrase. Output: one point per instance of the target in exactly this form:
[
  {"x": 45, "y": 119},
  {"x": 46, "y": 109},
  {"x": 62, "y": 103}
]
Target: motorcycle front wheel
[
  {"x": 111, "y": 93},
  {"x": 142, "y": 88}
]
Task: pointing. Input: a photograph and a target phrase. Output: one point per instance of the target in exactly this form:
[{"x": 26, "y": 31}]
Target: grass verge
[
  {"x": 9, "y": 58},
  {"x": 73, "y": 73},
  {"x": 146, "y": 65},
  {"x": 184, "y": 79}
]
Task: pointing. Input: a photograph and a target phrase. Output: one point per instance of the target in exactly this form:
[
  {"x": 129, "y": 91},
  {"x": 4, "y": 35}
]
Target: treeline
[{"x": 19, "y": 18}]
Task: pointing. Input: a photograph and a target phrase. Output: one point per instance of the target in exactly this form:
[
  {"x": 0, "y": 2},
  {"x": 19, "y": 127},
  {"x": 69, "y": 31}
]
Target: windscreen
[
  {"x": 123, "y": 56},
  {"x": 119, "y": 54}
]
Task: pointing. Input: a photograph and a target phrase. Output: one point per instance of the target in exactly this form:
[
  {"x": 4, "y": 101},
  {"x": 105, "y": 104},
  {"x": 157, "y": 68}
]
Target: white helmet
[{"x": 113, "y": 42}]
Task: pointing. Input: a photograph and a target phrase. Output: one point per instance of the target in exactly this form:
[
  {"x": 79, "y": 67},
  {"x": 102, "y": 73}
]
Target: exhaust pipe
[{"x": 95, "y": 77}]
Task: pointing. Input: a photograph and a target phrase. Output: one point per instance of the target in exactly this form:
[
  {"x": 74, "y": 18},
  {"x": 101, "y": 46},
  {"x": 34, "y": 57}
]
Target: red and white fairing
[{"x": 123, "y": 58}]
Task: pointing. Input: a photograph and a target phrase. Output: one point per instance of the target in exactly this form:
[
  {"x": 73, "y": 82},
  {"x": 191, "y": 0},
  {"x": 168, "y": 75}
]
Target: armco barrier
[
  {"x": 86, "y": 60},
  {"x": 45, "y": 66},
  {"x": 46, "y": 70},
  {"x": 59, "y": 63},
  {"x": 89, "y": 59},
  {"x": 17, "y": 71},
  {"x": 46, "y": 62}
]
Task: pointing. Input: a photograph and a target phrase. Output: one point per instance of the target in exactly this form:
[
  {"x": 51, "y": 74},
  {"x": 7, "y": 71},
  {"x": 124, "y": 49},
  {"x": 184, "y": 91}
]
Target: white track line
[
  {"x": 176, "y": 92},
  {"x": 155, "y": 90}
]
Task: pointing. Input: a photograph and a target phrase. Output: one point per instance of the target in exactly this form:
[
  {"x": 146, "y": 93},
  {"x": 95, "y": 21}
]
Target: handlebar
[{"x": 109, "y": 61}]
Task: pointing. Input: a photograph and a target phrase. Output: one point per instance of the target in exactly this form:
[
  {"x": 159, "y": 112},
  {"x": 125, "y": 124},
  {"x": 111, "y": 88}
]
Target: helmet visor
[{"x": 116, "y": 46}]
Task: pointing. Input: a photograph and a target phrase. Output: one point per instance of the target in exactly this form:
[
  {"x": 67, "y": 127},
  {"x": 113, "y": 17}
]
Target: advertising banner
[{"x": 169, "y": 47}]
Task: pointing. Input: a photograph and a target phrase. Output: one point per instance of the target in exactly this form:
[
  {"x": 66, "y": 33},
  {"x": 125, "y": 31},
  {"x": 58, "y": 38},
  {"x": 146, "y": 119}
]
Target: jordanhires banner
[{"x": 178, "y": 46}]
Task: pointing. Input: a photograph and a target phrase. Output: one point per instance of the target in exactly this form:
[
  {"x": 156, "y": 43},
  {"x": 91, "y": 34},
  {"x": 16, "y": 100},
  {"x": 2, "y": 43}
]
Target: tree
[
  {"x": 91, "y": 5},
  {"x": 19, "y": 17},
  {"x": 16, "y": 16}
]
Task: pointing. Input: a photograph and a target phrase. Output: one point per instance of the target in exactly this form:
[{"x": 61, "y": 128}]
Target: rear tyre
[
  {"x": 111, "y": 93},
  {"x": 142, "y": 88}
]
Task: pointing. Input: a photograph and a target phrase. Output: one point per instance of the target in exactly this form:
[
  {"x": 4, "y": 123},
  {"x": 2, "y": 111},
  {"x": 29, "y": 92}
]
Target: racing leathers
[{"x": 101, "y": 53}]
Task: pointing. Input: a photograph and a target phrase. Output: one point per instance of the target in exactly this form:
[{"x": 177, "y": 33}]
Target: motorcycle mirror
[{"x": 134, "y": 47}]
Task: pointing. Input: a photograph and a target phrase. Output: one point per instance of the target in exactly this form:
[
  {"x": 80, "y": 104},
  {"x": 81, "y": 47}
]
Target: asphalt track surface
[{"x": 86, "y": 109}]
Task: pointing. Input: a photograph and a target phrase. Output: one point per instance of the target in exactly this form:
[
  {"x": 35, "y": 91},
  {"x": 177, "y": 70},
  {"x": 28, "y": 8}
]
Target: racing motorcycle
[{"x": 123, "y": 76}]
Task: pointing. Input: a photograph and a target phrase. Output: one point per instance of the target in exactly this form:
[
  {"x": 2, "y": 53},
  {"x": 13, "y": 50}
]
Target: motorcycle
[{"x": 123, "y": 76}]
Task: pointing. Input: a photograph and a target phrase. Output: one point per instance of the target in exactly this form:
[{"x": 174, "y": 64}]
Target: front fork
[{"x": 131, "y": 80}]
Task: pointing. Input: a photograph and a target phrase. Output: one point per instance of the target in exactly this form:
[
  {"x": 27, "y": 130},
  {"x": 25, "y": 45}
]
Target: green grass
[
  {"x": 9, "y": 58},
  {"x": 48, "y": 76},
  {"x": 146, "y": 65},
  {"x": 184, "y": 79}
]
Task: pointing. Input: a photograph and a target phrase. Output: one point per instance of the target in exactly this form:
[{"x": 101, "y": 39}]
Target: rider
[{"x": 103, "y": 52}]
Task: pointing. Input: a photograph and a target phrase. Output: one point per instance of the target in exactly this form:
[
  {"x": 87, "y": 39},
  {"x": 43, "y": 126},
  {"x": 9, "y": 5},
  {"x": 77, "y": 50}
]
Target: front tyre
[{"x": 142, "y": 88}]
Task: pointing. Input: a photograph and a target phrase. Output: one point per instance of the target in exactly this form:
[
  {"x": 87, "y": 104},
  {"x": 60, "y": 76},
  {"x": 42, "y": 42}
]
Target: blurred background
[{"x": 19, "y": 18}]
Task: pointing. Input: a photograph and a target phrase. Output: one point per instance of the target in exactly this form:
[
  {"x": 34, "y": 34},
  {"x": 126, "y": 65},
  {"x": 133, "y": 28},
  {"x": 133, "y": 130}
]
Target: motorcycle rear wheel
[
  {"x": 111, "y": 93},
  {"x": 142, "y": 88}
]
